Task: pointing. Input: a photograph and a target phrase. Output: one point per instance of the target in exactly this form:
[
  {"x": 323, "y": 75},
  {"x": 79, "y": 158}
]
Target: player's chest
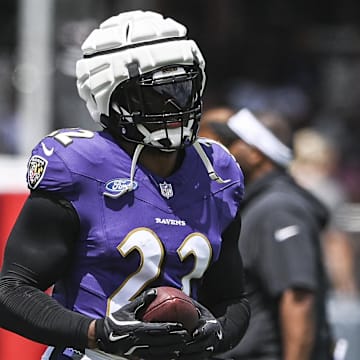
[
  {"x": 157, "y": 218},
  {"x": 160, "y": 224}
]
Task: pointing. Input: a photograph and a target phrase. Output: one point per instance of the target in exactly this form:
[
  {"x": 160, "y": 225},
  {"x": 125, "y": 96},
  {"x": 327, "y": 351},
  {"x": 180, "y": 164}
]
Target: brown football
[{"x": 172, "y": 305}]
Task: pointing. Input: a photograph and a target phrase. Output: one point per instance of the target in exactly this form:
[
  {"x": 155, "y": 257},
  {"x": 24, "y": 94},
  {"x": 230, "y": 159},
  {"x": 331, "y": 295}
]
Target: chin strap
[
  {"x": 135, "y": 158},
  {"x": 211, "y": 171}
]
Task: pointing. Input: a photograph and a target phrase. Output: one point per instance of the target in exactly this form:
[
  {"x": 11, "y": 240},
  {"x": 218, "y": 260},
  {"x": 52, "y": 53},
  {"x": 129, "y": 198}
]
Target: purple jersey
[{"x": 164, "y": 232}]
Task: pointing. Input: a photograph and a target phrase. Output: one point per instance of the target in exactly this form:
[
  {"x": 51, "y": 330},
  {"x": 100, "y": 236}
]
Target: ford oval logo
[{"x": 117, "y": 187}]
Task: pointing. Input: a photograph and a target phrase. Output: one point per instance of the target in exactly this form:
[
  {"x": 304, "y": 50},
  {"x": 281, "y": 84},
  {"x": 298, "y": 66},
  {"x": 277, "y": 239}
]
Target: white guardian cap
[{"x": 141, "y": 77}]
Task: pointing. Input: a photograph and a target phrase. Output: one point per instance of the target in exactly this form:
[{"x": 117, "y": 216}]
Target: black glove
[
  {"x": 122, "y": 334},
  {"x": 205, "y": 338}
]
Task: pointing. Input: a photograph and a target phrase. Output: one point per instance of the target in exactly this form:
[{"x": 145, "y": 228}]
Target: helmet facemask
[{"x": 161, "y": 108}]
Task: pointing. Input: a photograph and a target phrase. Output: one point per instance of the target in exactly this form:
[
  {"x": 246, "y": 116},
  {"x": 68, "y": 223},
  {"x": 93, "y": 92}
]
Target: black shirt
[{"x": 280, "y": 243}]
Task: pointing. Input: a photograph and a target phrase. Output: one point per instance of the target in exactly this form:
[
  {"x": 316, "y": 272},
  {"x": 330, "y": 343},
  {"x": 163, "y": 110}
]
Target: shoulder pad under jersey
[{"x": 58, "y": 156}]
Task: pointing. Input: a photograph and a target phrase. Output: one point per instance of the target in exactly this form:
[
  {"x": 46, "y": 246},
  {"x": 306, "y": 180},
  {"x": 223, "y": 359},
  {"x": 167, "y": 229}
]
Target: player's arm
[
  {"x": 38, "y": 252},
  {"x": 223, "y": 290},
  {"x": 296, "y": 311}
]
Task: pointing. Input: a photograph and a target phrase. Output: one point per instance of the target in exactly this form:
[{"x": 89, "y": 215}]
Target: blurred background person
[
  {"x": 215, "y": 114},
  {"x": 280, "y": 243}
]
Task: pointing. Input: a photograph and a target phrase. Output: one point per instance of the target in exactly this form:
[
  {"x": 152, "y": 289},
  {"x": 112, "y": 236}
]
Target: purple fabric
[{"x": 143, "y": 218}]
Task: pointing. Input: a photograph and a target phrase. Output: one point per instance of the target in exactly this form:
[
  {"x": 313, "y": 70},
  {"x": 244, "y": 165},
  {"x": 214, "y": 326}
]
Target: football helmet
[{"x": 141, "y": 77}]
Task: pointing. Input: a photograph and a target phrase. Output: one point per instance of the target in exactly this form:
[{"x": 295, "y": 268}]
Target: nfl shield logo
[{"x": 166, "y": 190}]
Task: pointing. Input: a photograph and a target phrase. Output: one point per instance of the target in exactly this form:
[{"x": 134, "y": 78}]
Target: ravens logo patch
[{"x": 36, "y": 170}]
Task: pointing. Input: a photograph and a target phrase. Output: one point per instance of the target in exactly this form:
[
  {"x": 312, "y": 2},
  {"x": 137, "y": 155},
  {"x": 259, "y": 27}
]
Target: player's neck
[{"x": 160, "y": 163}]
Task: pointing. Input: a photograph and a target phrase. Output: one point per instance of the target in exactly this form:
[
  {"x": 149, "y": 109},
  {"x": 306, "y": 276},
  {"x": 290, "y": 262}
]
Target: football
[{"x": 172, "y": 305}]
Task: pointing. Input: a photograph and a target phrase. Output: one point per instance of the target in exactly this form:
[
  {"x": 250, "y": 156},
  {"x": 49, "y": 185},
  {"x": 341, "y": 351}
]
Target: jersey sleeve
[
  {"x": 287, "y": 253},
  {"x": 46, "y": 169}
]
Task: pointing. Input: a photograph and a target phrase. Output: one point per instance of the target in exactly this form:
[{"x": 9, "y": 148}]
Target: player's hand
[
  {"x": 122, "y": 333},
  {"x": 205, "y": 338}
]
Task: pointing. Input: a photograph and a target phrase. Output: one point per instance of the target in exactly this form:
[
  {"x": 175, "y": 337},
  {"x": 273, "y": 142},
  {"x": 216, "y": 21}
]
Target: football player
[{"x": 116, "y": 213}]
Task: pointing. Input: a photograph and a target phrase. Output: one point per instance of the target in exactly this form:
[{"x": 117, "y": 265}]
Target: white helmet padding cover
[{"x": 144, "y": 37}]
